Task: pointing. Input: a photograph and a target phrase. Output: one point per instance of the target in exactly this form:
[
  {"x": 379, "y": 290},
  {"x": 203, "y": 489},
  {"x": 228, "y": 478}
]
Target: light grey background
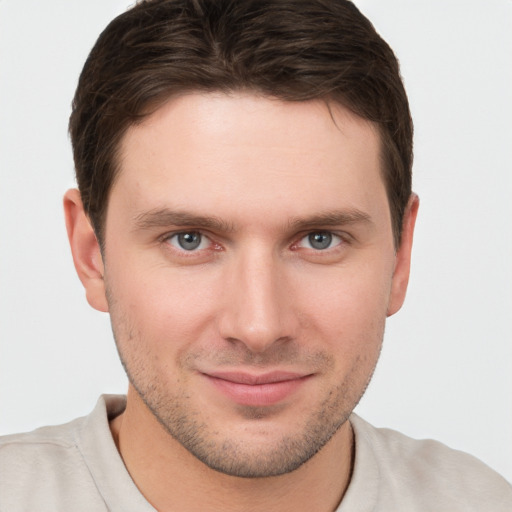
[{"x": 446, "y": 369}]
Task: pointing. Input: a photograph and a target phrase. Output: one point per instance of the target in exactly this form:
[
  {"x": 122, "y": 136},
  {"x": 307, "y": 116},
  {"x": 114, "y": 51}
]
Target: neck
[{"x": 172, "y": 479}]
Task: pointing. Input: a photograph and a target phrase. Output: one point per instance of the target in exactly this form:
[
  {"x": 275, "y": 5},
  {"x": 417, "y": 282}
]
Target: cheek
[
  {"x": 349, "y": 301},
  {"x": 347, "y": 312},
  {"x": 163, "y": 309}
]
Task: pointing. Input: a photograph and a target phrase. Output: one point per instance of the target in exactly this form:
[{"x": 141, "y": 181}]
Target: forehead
[
  {"x": 235, "y": 118},
  {"x": 244, "y": 152}
]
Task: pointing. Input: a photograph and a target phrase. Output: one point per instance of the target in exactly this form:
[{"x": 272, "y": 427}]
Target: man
[{"x": 245, "y": 216}]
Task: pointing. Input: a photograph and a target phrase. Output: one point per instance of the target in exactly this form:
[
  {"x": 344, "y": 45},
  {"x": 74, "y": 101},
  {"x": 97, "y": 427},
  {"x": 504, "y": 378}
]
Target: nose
[{"x": 256, "y": 308}]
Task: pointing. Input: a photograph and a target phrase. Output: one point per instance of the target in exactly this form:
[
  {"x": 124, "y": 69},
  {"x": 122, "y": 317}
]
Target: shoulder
[
  {"x": 51, "y": 467},
  {"x": 428, "y": 473},
  {"x": 36, "y": 467},
  {"x": 41, "y": 446}
]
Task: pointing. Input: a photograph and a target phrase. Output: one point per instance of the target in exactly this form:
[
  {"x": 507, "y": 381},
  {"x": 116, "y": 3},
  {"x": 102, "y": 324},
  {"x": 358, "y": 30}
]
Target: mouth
[{"x": 257, "y": 389}]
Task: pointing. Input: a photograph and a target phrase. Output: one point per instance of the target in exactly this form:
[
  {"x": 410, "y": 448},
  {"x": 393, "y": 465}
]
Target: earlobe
[
  {"x": 401, "y": 272},
  {"x": 85, "y": 250}
]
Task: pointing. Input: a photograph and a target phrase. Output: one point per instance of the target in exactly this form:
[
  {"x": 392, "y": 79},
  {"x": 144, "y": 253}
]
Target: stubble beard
[
  {"x": 234, "y": 457},
  {"x": 223, "y": 452}
]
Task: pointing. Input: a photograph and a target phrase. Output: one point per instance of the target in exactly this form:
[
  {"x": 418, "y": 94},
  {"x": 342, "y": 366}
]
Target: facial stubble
[{"x": 222, "y": 451}]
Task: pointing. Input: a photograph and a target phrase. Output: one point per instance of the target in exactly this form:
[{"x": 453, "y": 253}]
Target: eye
[
  {"x": 189, "y": 241},
  {"x": 320, "y": 240}
]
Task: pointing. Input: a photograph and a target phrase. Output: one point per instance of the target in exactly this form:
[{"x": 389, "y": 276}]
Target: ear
[
  {"x": 400, "y": 278},
  {"x": 86, "y": 250}
]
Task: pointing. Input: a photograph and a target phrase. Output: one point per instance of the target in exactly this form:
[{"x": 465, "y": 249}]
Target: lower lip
[{"x": 257, "y": 394}]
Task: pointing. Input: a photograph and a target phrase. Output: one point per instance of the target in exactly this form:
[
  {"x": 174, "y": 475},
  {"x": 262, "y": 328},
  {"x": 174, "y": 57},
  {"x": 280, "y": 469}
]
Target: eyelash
[
  {"x": 331, "y": 238},
  {"x": 342, "y": 240},
  {"x": 212, "y": 247}
]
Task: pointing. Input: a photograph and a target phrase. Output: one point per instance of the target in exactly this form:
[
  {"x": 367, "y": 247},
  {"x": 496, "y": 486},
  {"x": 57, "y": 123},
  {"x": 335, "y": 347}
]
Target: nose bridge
[{"x": 254, "y": 312}]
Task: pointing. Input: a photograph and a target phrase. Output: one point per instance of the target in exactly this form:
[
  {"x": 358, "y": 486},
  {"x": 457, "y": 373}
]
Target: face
[{"x": 249, "y": 268}]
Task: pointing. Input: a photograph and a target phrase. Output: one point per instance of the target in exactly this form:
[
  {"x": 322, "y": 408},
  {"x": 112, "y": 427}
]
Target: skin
[{"x": 252, "y": 178}]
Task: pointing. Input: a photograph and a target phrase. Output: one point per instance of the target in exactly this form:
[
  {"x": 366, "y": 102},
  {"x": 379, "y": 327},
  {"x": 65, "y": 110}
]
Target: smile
[{"x": 257, "y": 390}]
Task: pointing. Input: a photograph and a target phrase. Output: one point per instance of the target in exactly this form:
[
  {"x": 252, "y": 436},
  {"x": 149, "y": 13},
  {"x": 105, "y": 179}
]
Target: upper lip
[{"x": 272, "y": 377}]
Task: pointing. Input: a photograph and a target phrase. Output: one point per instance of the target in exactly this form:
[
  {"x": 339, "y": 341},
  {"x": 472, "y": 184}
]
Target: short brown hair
[{"x": 294, "y": 50}]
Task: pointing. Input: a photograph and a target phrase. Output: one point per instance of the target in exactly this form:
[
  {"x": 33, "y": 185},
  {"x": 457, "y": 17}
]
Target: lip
[{"x": 257, "y": 389}]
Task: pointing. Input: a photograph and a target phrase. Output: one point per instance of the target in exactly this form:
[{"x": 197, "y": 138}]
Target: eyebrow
[
  {"x": 162, "y": 217},
  {"x": 331, "y": 218}
]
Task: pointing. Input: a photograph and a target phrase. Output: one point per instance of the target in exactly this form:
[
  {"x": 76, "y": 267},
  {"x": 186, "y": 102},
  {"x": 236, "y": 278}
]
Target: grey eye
[
  {"x": 188, "y": 241},
  {"x": 320, "y": 240}
]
